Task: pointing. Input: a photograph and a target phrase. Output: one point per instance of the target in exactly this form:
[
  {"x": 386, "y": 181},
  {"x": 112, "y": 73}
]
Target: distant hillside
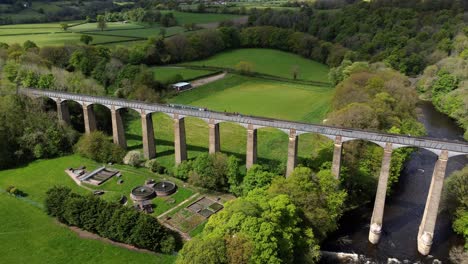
[{"x": 19, "y": 12}]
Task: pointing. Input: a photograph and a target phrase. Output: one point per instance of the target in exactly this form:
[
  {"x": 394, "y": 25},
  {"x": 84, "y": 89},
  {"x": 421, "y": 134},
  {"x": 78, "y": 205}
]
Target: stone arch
[
  {"x": 233, "y": 138},
  {"x": 314, "y": 149},
  {"x": 272, "y": 147},
  {"x": 196, "y": 135},
  {"x": 126, "y": 127},
  {"x": 74, "y": 110},
  {"x": 102, "y": 116}
]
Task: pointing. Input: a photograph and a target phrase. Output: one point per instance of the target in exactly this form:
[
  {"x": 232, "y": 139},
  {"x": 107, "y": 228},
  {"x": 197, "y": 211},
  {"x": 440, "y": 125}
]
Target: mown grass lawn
[
  {"x": 28, "y": 235},
  {"x": 37, "y": 177},
  {"x": 252, "y": 96},
  {"x": 269, "y": 61},
  {"x": 163, "y": 74}
]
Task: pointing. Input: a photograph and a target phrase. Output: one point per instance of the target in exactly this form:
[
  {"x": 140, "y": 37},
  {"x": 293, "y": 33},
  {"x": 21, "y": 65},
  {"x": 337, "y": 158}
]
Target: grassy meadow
[
  {"x": 37, "y": 177},
  {"x": 269, "y": 61},
  {"x": 51, "y": 34},
  {"x": 28, "y": 235},
  {"x": 199, "y": 18},
  {"x": 164, "y": 73}
]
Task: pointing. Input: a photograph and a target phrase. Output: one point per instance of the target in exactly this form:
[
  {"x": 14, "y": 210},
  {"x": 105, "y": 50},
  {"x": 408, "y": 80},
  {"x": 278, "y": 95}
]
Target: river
[{"x": 405, "y": 207}]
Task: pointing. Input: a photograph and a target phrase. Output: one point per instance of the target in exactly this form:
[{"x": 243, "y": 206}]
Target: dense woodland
[{"x": 372, "y": 47}]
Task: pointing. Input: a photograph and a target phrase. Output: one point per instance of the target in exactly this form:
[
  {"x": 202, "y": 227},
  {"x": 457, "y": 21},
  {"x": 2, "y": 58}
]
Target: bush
[
  {"x": 110, "y": 220},
  {"x": 133, "y": 158},
  {"x": 183, "y": 169},
  {"x": 97, "y": 147},
  {"x": 156, "y": 167}
]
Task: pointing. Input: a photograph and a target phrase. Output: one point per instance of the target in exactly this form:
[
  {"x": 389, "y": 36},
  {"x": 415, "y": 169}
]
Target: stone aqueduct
[{"x": 444, "y": 149}]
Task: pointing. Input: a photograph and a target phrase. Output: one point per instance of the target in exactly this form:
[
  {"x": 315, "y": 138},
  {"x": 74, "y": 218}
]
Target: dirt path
[{"x": 206, "y": 80}]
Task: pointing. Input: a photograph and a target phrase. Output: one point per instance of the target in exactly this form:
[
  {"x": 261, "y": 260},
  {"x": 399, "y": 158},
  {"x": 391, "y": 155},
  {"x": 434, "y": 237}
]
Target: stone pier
[
  {"x": 426, "y": 229},
  {"x": 89, "y": 118},
  {"x": 118, "y": 131},
  {"x": 147, "y": 134},
  {"x": 292, "y": 152},
  {"x": 336, "y": 165},
  {"x": 379, "y": 204},
  {"x": 62, "y": 111},
  {"x": 214, "y": 144},
  {"x": 251, "y": 153},
  {"x": 179, "y": 139}
]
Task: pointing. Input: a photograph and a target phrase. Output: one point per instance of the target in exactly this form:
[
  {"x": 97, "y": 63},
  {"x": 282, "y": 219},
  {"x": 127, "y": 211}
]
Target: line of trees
[{"x": 109, "y": 220}]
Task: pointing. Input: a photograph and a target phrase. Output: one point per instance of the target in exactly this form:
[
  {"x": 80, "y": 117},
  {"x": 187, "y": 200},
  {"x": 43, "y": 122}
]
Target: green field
[
  {"x": 141, "y": 32},
  {"x": 52, "y": 173},
  {"x": 269, "y": 61},
  {"x": 51, "y": 34},
  {"x": 199, "y": 18},
  {"x": 162, "y": 74},
  {"x": 27, "y": 235},
  {"x": 278, "y": 99},
  {"x": 56, "y": 39}
]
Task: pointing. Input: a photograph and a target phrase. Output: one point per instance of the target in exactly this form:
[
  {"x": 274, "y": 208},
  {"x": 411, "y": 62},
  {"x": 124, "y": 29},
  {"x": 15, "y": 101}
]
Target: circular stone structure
[
  {"x": 165, "y": 188},
  {"x": 142, "y": 193}
]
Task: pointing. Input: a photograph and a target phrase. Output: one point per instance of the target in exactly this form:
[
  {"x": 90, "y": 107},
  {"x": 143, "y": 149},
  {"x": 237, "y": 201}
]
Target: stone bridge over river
[{"x": 444, "y": 149}]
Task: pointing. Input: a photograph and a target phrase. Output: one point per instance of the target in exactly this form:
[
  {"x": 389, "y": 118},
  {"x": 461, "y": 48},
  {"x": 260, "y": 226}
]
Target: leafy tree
[
  {"x": 29, "y": 45},
  {"x": 210, "y": 171},
  {"x": 268, "y": 228},
  {"x": 46, "y": 81},
  {"x": 96, "y": 146},
  {"x": 64, "y": 26},
  {"x": 460, "y": 225},
  {"x": 182, "y": 171},
  {"x": 101, "y": 22},
  {"x": 244, "y": 67},
  {"x": 162, "y": 32},
  {"x": 86, "y": 39},
  {"x": 318, "y": 196},
  {"x": 234, "y": 175},
  {"x": 256, "y": 177}
]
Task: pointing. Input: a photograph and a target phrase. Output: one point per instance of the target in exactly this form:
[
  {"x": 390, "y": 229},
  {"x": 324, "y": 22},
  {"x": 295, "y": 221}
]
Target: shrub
[
  {"x": 96, "y": 146},
  {"x": 183, "y": 169},
  {"x": 156, "y": 167},
  {"x": 133, "y": 158}
]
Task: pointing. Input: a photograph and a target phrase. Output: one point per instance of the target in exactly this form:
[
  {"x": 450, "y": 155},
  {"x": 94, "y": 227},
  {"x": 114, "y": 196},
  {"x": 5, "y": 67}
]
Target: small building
[{"x": 180, "y": 86}]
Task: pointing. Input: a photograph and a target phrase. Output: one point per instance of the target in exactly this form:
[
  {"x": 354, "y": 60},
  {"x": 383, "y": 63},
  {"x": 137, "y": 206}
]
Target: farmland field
[
  {"x": 140, "y": 32},
  {"x": 269, "y": 61},
  {"x": 198, "y": 18},
  {"x": 54, "y": 39},
  {"x": 52, "y": 34},
  {"x": 164, "y": 73}
]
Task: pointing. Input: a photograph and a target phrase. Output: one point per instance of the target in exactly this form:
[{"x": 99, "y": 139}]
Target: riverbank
[{"x": 404, "y": 209}]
